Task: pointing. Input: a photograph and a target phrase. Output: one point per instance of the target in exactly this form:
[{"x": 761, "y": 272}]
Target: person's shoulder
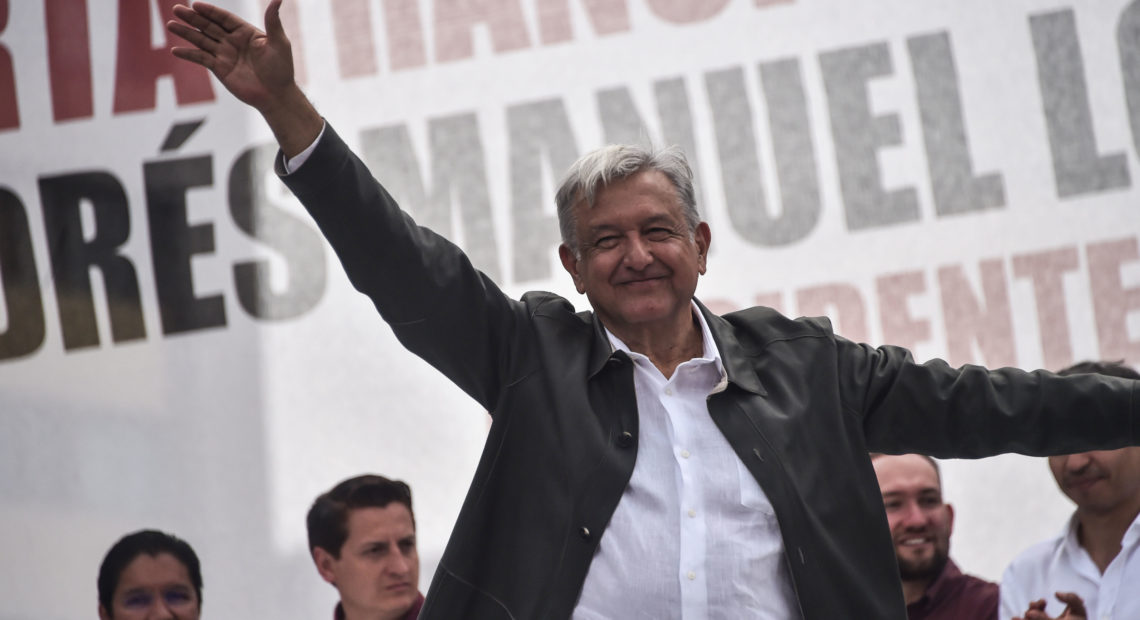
[
  {"x": 552, "y": 306},
  {"x": 768, "y": 325},
  {"x": 980, "y": 598},
  {"x": 1033, "y": 559},
  {"x": 1027, "y": 576},
  {"x": 984, "y": 587}
]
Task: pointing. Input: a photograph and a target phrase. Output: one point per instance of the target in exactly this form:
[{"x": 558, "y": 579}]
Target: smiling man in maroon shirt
[
  {"x": 921, "y": 524},
  {"x": 362, "y": 535}
]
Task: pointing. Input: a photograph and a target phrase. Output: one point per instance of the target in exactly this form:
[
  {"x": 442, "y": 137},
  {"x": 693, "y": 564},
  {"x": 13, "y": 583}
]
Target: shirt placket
[{"x": 693, "y": 573}]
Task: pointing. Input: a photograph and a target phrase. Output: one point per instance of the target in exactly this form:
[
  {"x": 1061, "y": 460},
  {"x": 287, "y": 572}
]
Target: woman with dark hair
[{"x": 150, "y": 575}]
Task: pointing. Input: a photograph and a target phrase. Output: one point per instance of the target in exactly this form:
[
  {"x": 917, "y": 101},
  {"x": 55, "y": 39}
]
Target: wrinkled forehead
[{"x": 645, "y": 181}]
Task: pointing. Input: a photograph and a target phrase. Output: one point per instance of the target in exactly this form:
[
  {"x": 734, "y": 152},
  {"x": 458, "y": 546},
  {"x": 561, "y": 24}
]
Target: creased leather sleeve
[
  {"x": 437, "y": 303},
  {"x": 972, "y": 412}
]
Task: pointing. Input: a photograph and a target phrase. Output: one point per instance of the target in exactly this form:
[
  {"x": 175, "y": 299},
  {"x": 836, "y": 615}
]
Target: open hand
[{"x": 256, "y": 66}]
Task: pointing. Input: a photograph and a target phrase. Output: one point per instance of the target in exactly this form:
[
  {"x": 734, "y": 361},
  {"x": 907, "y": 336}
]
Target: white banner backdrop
[{"x": 179, "y": 348}]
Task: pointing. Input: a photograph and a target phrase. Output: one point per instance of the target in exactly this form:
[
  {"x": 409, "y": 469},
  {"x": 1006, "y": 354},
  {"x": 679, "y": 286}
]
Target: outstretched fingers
[
  {"x": 223, "y": 19},
  {"x": 193, "y": 36}
]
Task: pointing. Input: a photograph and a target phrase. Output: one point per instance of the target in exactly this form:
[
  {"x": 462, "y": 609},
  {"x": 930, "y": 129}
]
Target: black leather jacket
[{"x": 802, "y": 409}]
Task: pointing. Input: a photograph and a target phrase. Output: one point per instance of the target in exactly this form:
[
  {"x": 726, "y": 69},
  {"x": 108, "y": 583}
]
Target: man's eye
[
  {"x": 607, "y": 242},
  {"x": 176, "y": 596},
  {"x": 659, "y": 234},
  {"x": 136, "y": 601}
]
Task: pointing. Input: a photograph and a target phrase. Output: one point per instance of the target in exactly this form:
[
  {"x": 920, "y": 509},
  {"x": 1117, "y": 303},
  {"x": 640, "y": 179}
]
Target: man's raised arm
[{"x": 256, "y": 66}]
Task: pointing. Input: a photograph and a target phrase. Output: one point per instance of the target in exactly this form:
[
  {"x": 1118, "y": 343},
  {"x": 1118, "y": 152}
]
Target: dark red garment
[
  {"x": 954, "y": 596},
  {"x": 413, "y": 611}
]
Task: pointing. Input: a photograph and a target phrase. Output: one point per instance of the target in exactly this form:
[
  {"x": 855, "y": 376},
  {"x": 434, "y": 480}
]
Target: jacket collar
[
  {"x": 736, "y": 359},
  {"x": 733, "y": 355}
]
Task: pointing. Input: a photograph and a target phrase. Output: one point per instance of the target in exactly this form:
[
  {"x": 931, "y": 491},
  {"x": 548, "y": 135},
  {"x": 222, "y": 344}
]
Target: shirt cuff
[{"x": 292, "y": 164}]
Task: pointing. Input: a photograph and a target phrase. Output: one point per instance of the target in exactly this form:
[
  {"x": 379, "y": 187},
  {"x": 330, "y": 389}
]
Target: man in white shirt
[
  {"x": 649, "y": 459},
  {"x": 1092, "y": 567}
]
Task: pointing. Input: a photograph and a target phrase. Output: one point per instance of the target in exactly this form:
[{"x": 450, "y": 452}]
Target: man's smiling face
[
  {"x": 637, "y": 261},
  {"x": 920, "y": 522}
]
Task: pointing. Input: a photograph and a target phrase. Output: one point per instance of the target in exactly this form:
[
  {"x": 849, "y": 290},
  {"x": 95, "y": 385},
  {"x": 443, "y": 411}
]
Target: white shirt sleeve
[{"x": 292, "y": 164}]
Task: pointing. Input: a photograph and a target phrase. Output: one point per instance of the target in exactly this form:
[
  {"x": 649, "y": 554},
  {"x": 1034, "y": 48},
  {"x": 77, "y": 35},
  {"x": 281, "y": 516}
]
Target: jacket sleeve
[
  {"x": 425, "y": 288},
  {"x": 972, "y": 412}
]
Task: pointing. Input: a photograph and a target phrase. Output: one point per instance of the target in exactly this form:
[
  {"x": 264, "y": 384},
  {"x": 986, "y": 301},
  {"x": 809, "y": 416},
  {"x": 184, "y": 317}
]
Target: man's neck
[
  {"x": 667, "y": 348},
  {"x": 1101, "y": 533}
]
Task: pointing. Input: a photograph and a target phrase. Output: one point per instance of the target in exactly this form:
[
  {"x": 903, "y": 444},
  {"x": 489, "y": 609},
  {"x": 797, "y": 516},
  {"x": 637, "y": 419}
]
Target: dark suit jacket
[{"x": 802, "y": 408}]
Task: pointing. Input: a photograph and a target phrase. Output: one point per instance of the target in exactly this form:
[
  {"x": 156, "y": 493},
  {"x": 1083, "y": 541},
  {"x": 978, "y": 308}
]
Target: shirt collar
[
  {"x": 1132, "y": 534},
  {"x": 1072, "y": 542},
  {"x": 709, "y": 351}
]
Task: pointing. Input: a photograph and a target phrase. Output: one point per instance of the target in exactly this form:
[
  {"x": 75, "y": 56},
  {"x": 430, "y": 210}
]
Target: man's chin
[{"x": 925, "y": 568}]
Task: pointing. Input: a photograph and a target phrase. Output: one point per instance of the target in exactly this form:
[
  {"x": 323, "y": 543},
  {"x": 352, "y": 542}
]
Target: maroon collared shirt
[
  {"x": 954, "y": 596},
  {"x": 413, "y": 611}
]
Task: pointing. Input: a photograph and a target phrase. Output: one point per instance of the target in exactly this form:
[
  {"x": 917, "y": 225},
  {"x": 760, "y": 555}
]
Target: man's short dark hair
[
  {"x": 328, "y": 518},
  {"x": 1112, "y": 369},
  {"x": 152, "y": 543}
]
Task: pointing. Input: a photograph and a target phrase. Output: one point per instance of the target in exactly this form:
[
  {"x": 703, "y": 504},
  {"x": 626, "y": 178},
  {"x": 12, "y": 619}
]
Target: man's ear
[
  {"x": 950, "y": 510},
  {"x": 326, "y": 564},
  {"x": 570, "y": 264},
  {"x": 702, "y": 236},
  {"x": 103, "y": 613}
]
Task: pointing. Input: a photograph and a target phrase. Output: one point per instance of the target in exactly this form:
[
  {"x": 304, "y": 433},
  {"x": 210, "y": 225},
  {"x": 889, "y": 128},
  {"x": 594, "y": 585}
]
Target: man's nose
[
  {"x": 161, "y": 611},
  {"x": 913, "y": 515},
  {"x": 399, "y": 564},
  {"x": 637, "y": 253},
  {"x": 1077, "y": 463}
]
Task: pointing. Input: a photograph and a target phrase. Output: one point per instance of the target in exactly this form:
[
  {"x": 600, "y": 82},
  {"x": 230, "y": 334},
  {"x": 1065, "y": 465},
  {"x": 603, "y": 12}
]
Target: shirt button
[
  {"x": 684, "y": 454},
  {"x": 668, "y": 391},
  {"x": 691, "y": 575},
  {"x": 692, "y": 513}
]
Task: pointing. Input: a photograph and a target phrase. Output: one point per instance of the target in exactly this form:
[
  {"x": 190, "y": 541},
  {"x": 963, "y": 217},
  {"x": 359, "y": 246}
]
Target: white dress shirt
[
  {"x": 694, "y": 536},
  {"x": 1061, "y": 564}
]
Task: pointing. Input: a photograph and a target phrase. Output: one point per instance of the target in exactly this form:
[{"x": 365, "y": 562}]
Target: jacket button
[
  {"x": 625, "y": 439},
  {"x": 584, "y": 532}
]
